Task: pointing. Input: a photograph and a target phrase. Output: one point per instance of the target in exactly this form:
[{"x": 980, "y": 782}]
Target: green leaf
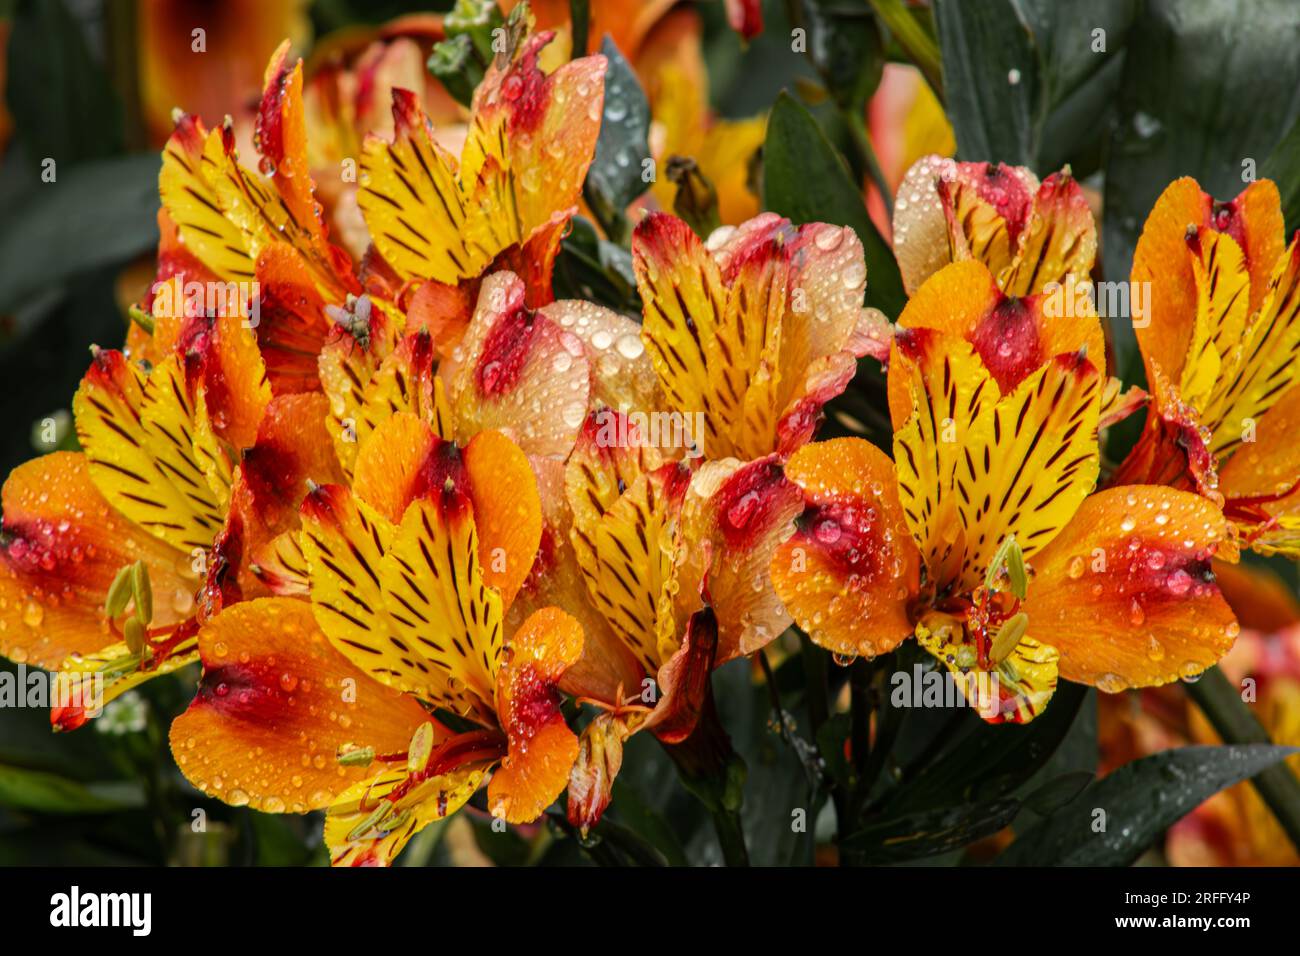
[
  {"x": 95, "y": 214},
  {"x": 38, "y": 791},
  {"x": 846, "y": 46},
  {"x": 991, "y": 760},
  {"x": 1141, "y": 800},
  {"x": 992, "y": 80},
  {"x": 1283, "y": 167},
  {"x": 1056, "y": 793},
  {"x": 589, "y": 267},
  {"x": 1185, "y": 111},
  {"x": 64, "y": 107},
  {"x": 918, "y": 835},
  {"x": 1073, "y": 51},
  {"x": 806, "y": 180},
  {"x": 615, "y": 176}
]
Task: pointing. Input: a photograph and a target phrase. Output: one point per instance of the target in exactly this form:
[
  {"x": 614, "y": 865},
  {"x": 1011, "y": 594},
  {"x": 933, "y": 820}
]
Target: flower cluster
[{"x": 425, "y": 527}]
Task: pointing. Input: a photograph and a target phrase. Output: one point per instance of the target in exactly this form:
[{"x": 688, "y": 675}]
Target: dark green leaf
[
  {"x": 1283, "y": 167},
  {"x": 1214, "y": 86},
  {"x": 616, "y": 176},
  {"x": 95, "y": 214},
  {"x": 1140, "y": 801},
  {"x": 845, "y": 45},
  {"x": 1056, "y": 793},
  {"x": 62, "y": 103},
  {"x": 991, "y": 760},
  {"x": 918, "y": 835},
  {"x": 806, "y": 180},
  {"x": 992, "y": 80},
  {"x": 1073, "y": 51},
  {"x": 40, "y": 792}
]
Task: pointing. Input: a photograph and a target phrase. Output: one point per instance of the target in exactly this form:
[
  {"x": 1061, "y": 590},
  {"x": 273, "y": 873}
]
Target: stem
[
  {"x": 731, "y": 837},
  {"x": 920, "y": 45},
  {"x": 715, "y": 774},
  {"x": 1235, "y": 724}
]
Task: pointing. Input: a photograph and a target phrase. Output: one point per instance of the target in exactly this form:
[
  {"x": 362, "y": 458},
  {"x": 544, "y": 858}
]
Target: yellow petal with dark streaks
[
  {"x": 190, "y": 197},
  {"x": 138, "y": 438},
  {"x": 345, "y": 541},
  {"x": 952, "y": 396},
  {"x": 1222, "y": 297},
  {"x": 434, "y": 590},
  {"x": 1267, "y": 364},
  {"x": 684, "y": 308},
  {"x": 1029, "y": 473},
  {"x": 413, "y": 203}
]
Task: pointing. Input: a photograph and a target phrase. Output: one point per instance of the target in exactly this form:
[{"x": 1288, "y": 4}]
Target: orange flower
[
  {"x": 411, "y": 573},
  {"x": 438, "y": 224},
  {"x": 1219, "y": 344},
  {"x": 995, "y": 454},
  {"x": 1028, "y": 235}
]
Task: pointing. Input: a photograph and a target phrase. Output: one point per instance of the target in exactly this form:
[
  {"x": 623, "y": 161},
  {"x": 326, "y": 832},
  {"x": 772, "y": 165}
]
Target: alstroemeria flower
[
  {"x": 169, "y": 451},
  {"x": 755, "y": 331},
  {"x": 411, "y": 573},
  {"x": 1220, "y": 351},
  {"x": 439, "y": 224},
  {"x": 672, "y": 582},
  {"x": 1028, "y": 235},
  {"x": 989, "y": 448},
  {"x": 260, "y": 234},
  {"x": 514, "y": 369}
]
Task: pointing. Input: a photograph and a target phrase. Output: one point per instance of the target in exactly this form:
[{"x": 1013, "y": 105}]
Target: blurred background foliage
[{"x": 1186, "y": 87}]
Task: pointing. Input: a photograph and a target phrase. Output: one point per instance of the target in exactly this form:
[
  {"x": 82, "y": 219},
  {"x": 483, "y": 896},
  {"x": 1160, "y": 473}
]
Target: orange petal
[
  {"x": 292, "y": 452},
  {"x": 275, "y": 705},
  {"x": 1013, "y": 336},
  {"x": 1125, "y": 591},
  {"x": 850, "y": 569},
  {"x": 292, "y": 326},
  {"x": 507, "y": 510},
  {"x": 684, "y": 680},
  {"x": 61, "y": 546},
  {"x": 608, "y": 670},
  {"x": 1161, "y": 258},
  {"x": 1258, "y": 596},
  {"x": 542, "y": 748},
  {"x": 404, "y": 461}
]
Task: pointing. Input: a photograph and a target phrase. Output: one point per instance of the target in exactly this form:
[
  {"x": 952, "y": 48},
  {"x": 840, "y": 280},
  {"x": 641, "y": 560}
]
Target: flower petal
[
  {"x": 733, "y": 518},
  {"x": 274, "y": 707},
  {"x": 292, "y": 453},
  {"x": 1060, "y": 239},
  {"x": 849, "y": 570},
  {"x": 133, "y": 429},
  {"x": 520, "y": 373},
  {"x": 60, "y": 549},
  {"x": 1125, "y": 591},
  {"x": 542, "y": 747}
]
